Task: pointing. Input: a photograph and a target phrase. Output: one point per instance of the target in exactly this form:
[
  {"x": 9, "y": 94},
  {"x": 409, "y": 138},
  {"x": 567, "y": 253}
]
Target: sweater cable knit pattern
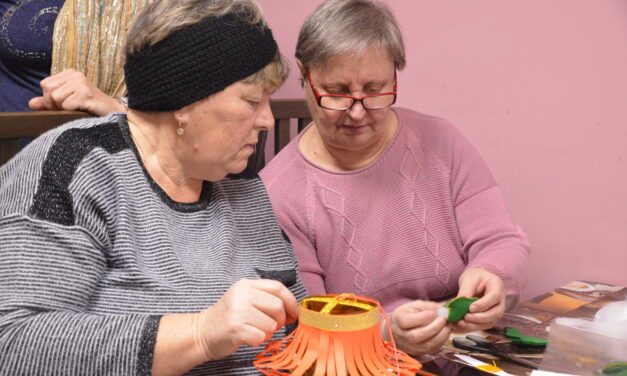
[
  {"x": 336, "y": 203},
  {"x": 410, "y": 171},
  {"x": 402, "y": 228}
]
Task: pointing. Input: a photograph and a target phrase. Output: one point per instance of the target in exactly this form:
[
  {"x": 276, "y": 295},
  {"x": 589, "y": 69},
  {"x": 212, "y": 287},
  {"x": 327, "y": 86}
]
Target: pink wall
[{"x": 540, "y": 87}]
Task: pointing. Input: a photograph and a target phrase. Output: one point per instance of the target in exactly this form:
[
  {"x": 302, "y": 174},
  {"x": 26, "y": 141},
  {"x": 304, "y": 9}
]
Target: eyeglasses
[{"x": 339, "y": 102}]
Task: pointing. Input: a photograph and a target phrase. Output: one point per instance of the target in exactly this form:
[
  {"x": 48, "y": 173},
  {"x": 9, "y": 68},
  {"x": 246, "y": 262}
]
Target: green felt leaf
[
  {"x": 616, "y": 369},
  {"x": 458, "y": 308},
  {"x": 519, "y": 339}
]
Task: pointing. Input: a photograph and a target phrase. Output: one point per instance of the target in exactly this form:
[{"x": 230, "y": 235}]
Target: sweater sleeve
[
  {"x": 491, "y": 239},
  {"x": 311, "y": 272},
  {"x": 295, "y": 228},
  {"x": 287, "y": 189},
  {"x": 49, "y": 275},
  {"x": 50, "y": 271}
]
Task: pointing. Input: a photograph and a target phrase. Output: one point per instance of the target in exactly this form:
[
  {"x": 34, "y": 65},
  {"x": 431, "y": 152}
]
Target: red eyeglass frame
[{"x": 355, "y": 99}]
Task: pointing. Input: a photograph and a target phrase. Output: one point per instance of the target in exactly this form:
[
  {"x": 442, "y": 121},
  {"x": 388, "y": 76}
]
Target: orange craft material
[{"x": 337, "y": 335}]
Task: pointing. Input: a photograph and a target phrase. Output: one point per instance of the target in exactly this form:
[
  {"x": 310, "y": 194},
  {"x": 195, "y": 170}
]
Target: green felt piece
[
  {"x": 615, "y": 369},
  {"x": 458, "y": 308},
  {"x": 519, "y": 339}
]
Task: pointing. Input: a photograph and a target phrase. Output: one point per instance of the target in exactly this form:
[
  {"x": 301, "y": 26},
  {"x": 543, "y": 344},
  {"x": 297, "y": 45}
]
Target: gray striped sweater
[{"x": 93, "y": 252}]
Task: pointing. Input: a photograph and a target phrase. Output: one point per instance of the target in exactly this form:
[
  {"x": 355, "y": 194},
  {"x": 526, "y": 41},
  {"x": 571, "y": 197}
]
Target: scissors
[{"x": 473, "y": 342}]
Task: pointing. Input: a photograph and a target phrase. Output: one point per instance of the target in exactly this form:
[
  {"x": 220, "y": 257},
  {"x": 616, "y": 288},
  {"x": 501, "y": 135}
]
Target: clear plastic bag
[{"x": 583, "y": 347}]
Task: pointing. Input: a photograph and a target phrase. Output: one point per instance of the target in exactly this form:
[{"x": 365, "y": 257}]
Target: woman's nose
[
  {"x": 357, "y": 111},
  {"x": 265, "y": 119}
]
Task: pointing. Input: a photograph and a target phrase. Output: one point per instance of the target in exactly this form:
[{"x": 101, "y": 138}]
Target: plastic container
[{"x": 574, "y": 347}]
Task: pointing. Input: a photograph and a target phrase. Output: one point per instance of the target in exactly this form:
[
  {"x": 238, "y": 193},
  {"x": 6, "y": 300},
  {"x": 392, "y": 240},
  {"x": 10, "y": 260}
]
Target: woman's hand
[
  {"x": 486, "y": 311},
  {"x": 71, "y": 90},
  {"x": 248, "y": 313},
  {"x": 417, "y": 329}
]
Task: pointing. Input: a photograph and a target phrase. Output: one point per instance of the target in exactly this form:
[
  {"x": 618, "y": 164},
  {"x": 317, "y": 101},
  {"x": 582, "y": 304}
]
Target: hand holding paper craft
[
  {"x": 489, "y": 308},
  {"x": 248, "y": 313},
  {"x": 417, "y": 328}
]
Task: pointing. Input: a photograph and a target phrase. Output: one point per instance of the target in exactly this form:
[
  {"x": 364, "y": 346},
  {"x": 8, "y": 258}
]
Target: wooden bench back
[{"x": 16, "y": 125}]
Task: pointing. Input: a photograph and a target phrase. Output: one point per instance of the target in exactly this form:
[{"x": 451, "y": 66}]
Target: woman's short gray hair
[
  {"x": 161, "y": 18},
  {"x": 349, "y": 26}
]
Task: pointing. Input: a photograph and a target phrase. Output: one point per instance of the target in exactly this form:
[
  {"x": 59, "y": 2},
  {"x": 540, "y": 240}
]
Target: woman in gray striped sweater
[{"x": 133, "y": 244}]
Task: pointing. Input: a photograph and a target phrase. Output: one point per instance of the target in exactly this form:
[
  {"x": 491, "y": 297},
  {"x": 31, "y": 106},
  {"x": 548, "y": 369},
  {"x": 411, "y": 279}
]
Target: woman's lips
[
  {"x": 353, "y": 129},
  {"x": 251, "y": 147}
]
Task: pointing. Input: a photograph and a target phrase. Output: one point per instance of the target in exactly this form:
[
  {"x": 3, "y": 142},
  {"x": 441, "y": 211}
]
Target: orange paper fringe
[{"x": 312, "y": 351}]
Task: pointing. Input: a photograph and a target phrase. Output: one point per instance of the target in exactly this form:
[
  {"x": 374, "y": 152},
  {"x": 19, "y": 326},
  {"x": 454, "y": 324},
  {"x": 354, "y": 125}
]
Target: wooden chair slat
[
  {"x": 32, "y": 124},
  {"x": 289, "y": 108},
  {"x": 281, "y": 134},
  {"x": 303, "y": 122},
  {"x": 15, "y": 125}
]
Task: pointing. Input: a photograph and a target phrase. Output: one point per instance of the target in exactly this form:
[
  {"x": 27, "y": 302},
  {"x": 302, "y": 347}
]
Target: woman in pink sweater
[{"x": 384, "y": 201}]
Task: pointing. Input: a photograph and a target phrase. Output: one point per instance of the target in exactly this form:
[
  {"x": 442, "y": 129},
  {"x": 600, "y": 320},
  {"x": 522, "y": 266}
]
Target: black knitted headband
[{"x": 195, "y": 62}]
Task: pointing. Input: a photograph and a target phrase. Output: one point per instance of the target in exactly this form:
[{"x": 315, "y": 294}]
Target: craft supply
[
  {"x": 476, "y": 363},
  {"x": 455, "y": 309},
  {"x": 519, "y": 339},
  {"x": 476, "y": 343},
  {"x": 336, "y": 335},
  {"x": 615, "y": 369}
]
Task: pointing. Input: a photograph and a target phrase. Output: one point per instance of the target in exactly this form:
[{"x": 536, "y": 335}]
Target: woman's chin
[
  {"x": 239, "y": 167},
  {"x": 354, "y": 144}
]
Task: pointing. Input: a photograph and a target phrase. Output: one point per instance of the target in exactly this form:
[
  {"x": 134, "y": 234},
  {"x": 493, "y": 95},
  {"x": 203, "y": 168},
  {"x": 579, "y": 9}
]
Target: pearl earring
[{"x": 180, "y": 129}]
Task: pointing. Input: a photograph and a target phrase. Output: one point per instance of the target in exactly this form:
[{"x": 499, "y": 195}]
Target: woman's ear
[
  {"x": 302, "y": 70},
  {"x": 301, "y": 67},
  {"x": 178, "y": 116},
  {"x": 181, "y": 118}
]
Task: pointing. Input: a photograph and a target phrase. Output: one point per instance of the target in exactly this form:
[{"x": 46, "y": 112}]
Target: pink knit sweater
[{"x": 402, "y": 228}]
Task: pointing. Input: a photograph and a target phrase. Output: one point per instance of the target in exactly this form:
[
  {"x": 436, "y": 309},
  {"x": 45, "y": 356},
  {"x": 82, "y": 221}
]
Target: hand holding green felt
[{"x": 455, "y": 309}]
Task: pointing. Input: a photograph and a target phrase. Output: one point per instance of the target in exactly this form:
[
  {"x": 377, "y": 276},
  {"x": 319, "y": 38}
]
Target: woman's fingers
[
  {"x": 71, "y": 90},
  {"x": 437, "y": 341},
  {"x": 483, "y": 317},
  {"x": 488, "y": 309},
  {"x": 261, "y": 322},
  {"x": 289, "y": 306},
  {"x": 475, "y": 282},
  {"x": 252, "y": 336},
  {"x": 267, "y": 303},
  {"x": 52, "y": 96},
  {"x": 423, "y": 340},
  {"x": 417, "y": 328},
  {"x": 248, "y": 313},
  {"x": 61, "y": 97},
  {"x": 425, "y": 333},
  {"x": 37, "y": 104},
  {"x": 493, "y": 294},
  {"x": 49, "y": 87},
  {"x": 409, "y": 319},
  {"x": 414, "y": 314},
  {"x": 271, "y": 307}
]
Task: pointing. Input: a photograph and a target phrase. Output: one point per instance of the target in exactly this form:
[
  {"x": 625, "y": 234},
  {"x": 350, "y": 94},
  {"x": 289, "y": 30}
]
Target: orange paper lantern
[{"x": 337, "y": 335}]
